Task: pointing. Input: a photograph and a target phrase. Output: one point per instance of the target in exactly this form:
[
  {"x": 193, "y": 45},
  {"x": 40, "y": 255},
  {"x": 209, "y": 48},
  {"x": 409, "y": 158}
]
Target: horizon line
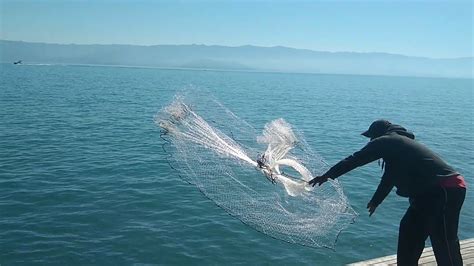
[
  {"x": 240, "y": 46},
  {"x": 237, "y": 70}
]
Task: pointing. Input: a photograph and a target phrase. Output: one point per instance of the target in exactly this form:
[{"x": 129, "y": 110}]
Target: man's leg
[
  {"x": 411, "y": 237},
  {"x": 444, "y": 230}
]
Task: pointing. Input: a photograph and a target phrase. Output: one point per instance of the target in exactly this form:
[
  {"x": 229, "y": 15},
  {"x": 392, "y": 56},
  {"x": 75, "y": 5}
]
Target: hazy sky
[{"x": 422, "y": 28}]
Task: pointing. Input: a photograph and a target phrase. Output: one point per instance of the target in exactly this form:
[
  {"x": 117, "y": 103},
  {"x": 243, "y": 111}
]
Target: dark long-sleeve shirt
[{"x": 409, "y": 165}]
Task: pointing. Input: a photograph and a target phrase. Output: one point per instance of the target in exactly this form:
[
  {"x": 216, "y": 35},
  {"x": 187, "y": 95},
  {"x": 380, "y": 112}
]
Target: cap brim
[{"x": 366, "y": 134}]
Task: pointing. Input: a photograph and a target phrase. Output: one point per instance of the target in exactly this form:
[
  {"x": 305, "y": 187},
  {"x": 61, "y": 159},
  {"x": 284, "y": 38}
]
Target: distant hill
[{"x": 252, "y": 58}]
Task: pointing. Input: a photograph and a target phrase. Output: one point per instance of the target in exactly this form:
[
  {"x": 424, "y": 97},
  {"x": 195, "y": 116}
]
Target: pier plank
[{"x": 427, "y": 257}]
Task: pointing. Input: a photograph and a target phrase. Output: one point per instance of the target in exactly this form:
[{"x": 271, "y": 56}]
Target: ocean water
[{"x": 84, "y": 179}]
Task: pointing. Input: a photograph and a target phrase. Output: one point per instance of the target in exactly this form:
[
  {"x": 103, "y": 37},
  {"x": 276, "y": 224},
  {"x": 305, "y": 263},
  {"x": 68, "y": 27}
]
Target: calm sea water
[{"x": 84, "y": 180}]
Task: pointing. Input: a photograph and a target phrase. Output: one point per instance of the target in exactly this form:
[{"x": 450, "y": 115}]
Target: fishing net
[{"x": 259, "y": 178}]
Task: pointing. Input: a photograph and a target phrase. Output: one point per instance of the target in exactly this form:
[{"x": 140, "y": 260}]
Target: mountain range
[{"x": 243, "y": 58}]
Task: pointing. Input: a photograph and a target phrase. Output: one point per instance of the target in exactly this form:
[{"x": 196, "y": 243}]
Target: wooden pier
[{"x": 427, "y": 257}]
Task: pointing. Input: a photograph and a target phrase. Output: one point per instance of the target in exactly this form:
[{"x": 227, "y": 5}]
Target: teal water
[{"x": 84, "y": 180}]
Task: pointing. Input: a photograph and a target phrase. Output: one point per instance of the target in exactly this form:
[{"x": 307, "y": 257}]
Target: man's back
[{"x": 410, "y": 165}]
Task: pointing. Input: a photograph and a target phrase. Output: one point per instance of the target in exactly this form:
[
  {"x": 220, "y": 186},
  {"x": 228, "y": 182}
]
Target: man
[{"x": 435, "y": 190}]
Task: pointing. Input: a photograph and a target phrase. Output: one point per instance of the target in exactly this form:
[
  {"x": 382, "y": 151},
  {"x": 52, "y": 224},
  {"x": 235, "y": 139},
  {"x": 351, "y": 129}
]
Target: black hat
[{"x": 377, "y": 128}]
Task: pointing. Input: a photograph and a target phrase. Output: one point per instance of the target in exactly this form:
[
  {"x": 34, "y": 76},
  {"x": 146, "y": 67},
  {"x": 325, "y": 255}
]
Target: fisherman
[{"x": 435, "y": 190}]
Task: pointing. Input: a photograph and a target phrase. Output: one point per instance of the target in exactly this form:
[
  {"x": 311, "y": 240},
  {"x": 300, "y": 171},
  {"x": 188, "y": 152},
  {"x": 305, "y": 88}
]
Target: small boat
[{"x": 19, "y": 62}]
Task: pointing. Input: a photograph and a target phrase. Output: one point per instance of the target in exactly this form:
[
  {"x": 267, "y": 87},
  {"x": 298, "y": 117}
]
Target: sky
[{"x": 437, "y": 29}]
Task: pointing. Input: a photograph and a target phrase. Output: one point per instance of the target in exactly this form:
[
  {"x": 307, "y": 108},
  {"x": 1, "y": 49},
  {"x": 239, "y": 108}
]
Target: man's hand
[
  {"x": 318, "y": 180},
  {"x": 371, "y": 208}
]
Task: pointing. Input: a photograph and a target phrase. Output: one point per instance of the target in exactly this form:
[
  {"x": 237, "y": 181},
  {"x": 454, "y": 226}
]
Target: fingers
[
  {"x": 314, "y": 181},
  {"x": 317, "y": 180},
  {"x": 322, "y": 181},
  {"x": 371, "y": 208}
]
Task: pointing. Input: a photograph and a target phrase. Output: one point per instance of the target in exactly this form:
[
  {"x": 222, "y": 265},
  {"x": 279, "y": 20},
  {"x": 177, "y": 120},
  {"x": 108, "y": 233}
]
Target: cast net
[{"x": 260, "y": 179}]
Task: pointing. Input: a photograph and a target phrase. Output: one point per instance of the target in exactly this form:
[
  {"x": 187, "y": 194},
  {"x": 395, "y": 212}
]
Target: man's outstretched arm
[{"x": 371, "y": 152}]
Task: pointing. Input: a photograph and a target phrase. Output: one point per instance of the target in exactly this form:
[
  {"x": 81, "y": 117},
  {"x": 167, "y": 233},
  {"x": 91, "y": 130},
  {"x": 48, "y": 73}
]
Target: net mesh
[{"x": 260, "y": 179}]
